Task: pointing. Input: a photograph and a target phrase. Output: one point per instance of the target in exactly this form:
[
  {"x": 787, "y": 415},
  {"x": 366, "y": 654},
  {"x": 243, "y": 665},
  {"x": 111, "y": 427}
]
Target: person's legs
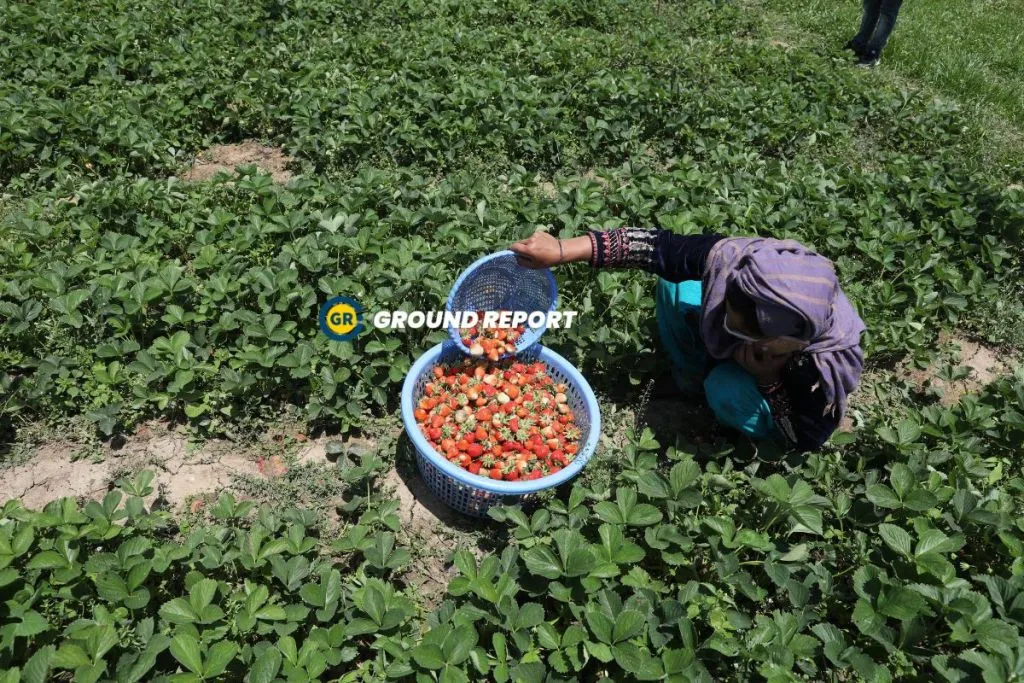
[
  {"x": 677, "y": 305},
  {"x": 886, "y": 22},
  {"x": 731, "y": 391},
  {"x": 735, "y": 400},
  {"x": 868, "y": 20}
]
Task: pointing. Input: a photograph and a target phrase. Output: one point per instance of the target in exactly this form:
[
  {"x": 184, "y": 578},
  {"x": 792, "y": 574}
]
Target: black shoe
[
  {"x": 854, "y": 47},
  {"x": 869, "y": 60}
]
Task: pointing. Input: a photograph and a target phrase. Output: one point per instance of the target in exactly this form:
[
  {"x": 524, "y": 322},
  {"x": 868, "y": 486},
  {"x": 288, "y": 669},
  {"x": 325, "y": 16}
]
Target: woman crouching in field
[{"x": 761, "y": 324}]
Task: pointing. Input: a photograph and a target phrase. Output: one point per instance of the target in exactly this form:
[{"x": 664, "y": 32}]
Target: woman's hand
[
  {"x": 543, "y": 250},
  {"x": 765, "y": 366}
]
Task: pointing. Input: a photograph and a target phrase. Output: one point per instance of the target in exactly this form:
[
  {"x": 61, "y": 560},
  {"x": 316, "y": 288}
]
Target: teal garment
[{"x": 730, "y": 390}]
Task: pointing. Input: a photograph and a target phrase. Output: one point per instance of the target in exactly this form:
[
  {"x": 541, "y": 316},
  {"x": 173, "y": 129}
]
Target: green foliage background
[{"x": 427, "y": 135}]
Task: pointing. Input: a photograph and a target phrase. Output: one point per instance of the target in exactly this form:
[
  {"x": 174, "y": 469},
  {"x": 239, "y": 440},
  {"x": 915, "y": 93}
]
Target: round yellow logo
[{"x": 341, "y": 318}]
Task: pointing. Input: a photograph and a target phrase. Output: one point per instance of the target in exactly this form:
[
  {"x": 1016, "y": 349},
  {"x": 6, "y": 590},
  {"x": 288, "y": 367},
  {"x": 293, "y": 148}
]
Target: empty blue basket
[
  {"x": 472, "y": 494},
  {"x": 498, "y": 282}
]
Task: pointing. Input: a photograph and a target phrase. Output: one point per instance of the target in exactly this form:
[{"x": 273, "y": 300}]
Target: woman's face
[{"x": 743, "y": 323}]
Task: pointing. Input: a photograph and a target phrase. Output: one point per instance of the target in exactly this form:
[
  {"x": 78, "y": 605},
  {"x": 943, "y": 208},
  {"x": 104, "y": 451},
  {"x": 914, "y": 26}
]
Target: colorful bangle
[{"x": 595, "y": 256}]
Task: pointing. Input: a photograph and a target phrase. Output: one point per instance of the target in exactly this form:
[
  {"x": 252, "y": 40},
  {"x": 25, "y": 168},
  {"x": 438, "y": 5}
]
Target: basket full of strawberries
[
  {"x": 493, "y": 416},
  {"x": 489, "y": 432}
]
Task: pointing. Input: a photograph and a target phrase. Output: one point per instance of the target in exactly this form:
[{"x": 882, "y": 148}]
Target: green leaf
[
  {"x": 531, "y": 614},
  {"x": 70, "y": 656},
  {"x": 178, "y": 611},
  {"x": 896, "y": 538},
  {"x": 628, "y": 624},
  {"x": 609, "y": 512},
  {"x": 428, "y": 656},
  {"x": 882, "y": 496},
  {"x": 201, "y": 594},
  {"x": 901, "y": 603},
  {"x": 32, "y": 624},
  {"x": 920, "y": 499},
  {"x": 459, "y": 644},
  {"x": 866, "y": 618},
  {"x": 579, "y": 562},
  {"x": 37, "y": 667},
  {"x": 186, "y": 650},
  {"x": 653, "y": 485},
  {"x": 600, "y": 651},
  {"x": 684, "y": 475},
  {"x": 266, "y": 666},
  {"x": 48, "y": 559},
  {"x": 218, "y": 657},
  {"x": 933, "y": 540},
  {"x": 908, "y": 432},
  {"x": 807, "y": 519},
  {"x": 541, "y": 560},
  {"x": 996, "y": 636},
  {"x": 644, "y": 515}
]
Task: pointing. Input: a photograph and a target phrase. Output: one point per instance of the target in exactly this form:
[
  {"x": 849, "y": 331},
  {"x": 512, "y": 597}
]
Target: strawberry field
[{"x": 425, "y": 135}]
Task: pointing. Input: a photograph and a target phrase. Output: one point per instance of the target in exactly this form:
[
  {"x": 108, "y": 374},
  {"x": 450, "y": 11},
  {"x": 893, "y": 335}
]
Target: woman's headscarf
[{"x": 786, "y": 277}]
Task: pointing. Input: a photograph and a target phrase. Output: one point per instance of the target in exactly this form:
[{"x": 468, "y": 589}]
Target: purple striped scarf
[{"x": 785, "y": 273}]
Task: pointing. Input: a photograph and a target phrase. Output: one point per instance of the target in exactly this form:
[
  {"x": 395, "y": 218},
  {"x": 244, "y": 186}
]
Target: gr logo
[{"x": 341, "y": 318}]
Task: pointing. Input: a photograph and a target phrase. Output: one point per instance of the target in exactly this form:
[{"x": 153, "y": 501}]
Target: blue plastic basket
[
  {"x": 472, "y": 494},
  {"x": 498, "y": 282}
]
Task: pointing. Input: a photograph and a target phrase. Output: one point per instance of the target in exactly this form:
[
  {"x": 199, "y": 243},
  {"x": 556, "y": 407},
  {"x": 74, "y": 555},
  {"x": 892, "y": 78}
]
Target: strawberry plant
[{"x": 426, "y": 135}]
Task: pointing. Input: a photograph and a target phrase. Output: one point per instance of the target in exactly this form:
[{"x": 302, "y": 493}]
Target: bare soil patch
[
  {"x": 225, "y": 158},
  {"x": 421, "y": 512},
  {"x": 51, "y": 474},
  {"x": 183, "y": 471},
  {"x": 431, "y": 529},
  {"x": 985, "y": 364}
]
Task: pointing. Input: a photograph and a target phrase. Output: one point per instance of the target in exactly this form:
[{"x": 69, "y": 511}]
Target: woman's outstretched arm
[{"x": 673, "y": 257}]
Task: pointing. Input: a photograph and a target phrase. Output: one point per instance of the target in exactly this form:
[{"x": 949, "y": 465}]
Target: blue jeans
[
  {"x": 876, "y": 24},
  {"x": 730, "y": 390}
]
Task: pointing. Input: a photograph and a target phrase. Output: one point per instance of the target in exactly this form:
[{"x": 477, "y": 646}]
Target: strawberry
[{"x": 506, "y": 421}]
